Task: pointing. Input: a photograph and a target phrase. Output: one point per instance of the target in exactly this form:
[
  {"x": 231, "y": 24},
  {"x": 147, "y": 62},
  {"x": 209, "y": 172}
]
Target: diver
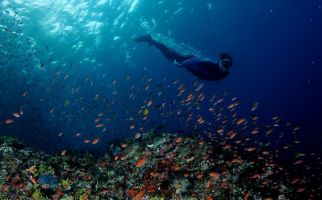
[{"x": 203, "y": 69}]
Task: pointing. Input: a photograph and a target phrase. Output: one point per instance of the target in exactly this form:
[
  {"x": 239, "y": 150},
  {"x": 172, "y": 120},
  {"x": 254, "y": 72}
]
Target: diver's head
[{"x": 226, "y": 61}]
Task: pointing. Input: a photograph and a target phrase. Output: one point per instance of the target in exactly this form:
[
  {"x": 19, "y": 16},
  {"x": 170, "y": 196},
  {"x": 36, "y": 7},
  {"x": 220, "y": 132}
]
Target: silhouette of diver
[{"x": 203, "y": 69}]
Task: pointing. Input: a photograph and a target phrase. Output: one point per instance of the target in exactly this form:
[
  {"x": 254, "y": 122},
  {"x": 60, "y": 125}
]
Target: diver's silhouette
[{"x": 203, "y": 69}]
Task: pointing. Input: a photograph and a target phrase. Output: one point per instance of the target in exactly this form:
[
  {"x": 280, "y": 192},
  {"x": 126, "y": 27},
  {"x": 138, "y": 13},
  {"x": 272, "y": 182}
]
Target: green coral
[
  {"x": 65, "y": 182},
  {"x": 44, "y": 169},
  {"x": 37, "y": 195}
]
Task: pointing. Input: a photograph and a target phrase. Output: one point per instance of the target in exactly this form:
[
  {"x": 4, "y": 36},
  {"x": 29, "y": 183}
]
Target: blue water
[{"x": 77, "y": 59}]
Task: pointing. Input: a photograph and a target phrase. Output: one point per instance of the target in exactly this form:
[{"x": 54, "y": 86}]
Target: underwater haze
[{"x": 74, "y": 79}]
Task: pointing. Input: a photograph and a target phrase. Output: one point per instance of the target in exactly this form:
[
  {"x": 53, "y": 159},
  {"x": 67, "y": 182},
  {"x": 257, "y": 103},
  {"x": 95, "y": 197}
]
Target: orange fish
[
  {"x": 137, "y": 135},
  {"x": 141, "y": 161},
  {"x": 255, "y": 176},
  {"x": 246, "y": 196},
  {"x": 139, "y": 196},
  {"x": 95, "y": 141},
  {"x": 102, "y": 163},
  {"x": 63, "y": 152},
  {"x": 209, "y": 198},
  {"x": 199, "y": 175},
  {"x": 232, "y": 135},
  {"x": 176, "y": 167},
  {"x": 255, "y": 131},
  {"x": 33, "y": 180},
  {"x": 149, "y": 103},
  {"x": 298, "y": 162},
  {"x": 132, "y": 193},
  {"x": 16, "y": 114},
  {"x": 9, "y": 121},
  {"x": 214, "y": 175},
  {"x": 179, "y": 139},
  {"x": 250, "y": 149},
  {"x": 99, "y": 125},
  {"x": 226, "y": 146},
  {"x": 237, "y": 161},
  {"x": 241, "y": 121},
  {"x": 295, "y": 181}
]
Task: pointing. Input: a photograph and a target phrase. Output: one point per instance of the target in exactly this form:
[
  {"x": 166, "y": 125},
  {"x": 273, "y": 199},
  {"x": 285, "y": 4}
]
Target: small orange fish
[
  {"x": 241, "y": 121},
  {"x": 179, "y": 139},
  {"x": 209, "y": 198},
  {"x": 95, "y": 141},
  {"x": 137, "y": 135},
  {"x": 141, "y": 161},
  {"x": 139, "y": 196},
  {"x": 250, "y": 149},
  {"x": 176, "y": 167},
  {"x": 232, "y": 135},
  {"x": 295, "y": 181},
  {"x": 214, "y": 175},
  {"x": 63, "y": 152},
  {"x": 237, "y": 161},
  {"x": 220, "y": 131},
  {"x": 99, "y": 125},
  {"x": 255, "y": 131},
  {"x": 199, "y": 175},
  {"x": 16, "y": 114},
  {"x": 33, "y": 180},
  {"x": 255, "y": 176},
  {"x": 226, "y": 146},
  {"x": 132, "y": 193},
  {"x": 149, "y": 103},
  {"x": 246, "y": 196},
  {"x": 298, "y": 162},
  {"x": 9, "y": 121},
  {"x": 102, "y": 163}
]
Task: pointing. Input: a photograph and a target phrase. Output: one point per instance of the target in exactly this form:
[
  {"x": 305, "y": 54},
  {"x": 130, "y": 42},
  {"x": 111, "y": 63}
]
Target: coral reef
[{"x": 153, "y": 166}]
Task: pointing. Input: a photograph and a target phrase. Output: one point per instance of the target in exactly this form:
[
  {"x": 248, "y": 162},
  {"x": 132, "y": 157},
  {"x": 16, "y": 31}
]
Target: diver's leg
[{"x": 166, "y": 51}]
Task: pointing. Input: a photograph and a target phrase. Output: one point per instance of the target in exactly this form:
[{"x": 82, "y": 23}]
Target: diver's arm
[{"x": 208, "y": 65}]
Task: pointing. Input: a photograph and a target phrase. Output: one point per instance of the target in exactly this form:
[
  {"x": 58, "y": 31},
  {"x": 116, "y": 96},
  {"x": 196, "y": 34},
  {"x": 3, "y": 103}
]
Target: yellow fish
[{"x": 145, "y": 112}]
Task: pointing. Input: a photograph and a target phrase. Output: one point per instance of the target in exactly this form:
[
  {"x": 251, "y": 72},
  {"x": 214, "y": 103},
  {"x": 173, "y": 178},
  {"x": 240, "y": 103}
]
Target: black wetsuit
[
  {"x": 206, "y": 70},
  {"x": 203, "y": 69}
]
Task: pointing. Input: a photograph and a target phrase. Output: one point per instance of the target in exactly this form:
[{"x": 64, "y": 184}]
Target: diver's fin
[{"x": 145, "y": 38}]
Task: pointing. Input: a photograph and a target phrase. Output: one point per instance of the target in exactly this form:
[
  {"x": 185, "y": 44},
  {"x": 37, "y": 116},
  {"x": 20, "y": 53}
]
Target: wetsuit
[
  {"x": 206, "y": 70},
  {"x": 203, "y": 69}
]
